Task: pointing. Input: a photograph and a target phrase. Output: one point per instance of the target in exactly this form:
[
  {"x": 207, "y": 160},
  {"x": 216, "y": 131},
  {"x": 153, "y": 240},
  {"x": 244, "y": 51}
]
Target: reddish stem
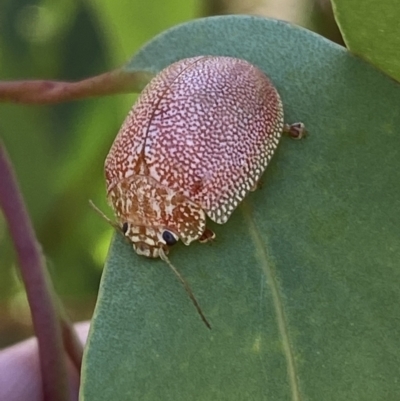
[
  {"x": 44, "y": 92},
  {"x": 37, "y": 285}
]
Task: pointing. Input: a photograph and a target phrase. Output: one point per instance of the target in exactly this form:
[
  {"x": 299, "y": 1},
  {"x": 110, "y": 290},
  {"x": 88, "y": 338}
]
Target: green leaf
[
  {"x": 371, "y": 30},
  {"x": 302, "y": 284}
]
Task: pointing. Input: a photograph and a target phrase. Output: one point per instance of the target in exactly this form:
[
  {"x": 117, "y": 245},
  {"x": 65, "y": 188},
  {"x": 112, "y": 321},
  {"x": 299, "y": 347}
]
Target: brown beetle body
[{"x": 195, "y": 143}]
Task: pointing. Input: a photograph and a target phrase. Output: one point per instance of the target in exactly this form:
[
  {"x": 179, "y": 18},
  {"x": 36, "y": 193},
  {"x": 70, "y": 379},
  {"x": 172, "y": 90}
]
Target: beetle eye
[
  {"x": 169, "y": 238},
  {"x": 124, "y": 227}
]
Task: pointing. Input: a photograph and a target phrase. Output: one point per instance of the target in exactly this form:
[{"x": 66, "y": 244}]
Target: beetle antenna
[
  {"x": 109, "y": 221},
  {"x": 164, "y": 257}
]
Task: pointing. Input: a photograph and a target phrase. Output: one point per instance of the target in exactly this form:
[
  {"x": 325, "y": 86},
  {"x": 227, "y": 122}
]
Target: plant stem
[
  {"x": 45, "y": 92},
  {"x": 72, "y": 344},
  {"x": 38, "y": 287}
]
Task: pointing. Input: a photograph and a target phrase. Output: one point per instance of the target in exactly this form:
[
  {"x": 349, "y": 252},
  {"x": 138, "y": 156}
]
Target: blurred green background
[{"x": 58, "y": 151}]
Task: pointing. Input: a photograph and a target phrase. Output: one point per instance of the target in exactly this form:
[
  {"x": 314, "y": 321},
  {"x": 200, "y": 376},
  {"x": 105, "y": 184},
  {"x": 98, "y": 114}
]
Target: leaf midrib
[{"x": 268, "y": 269}]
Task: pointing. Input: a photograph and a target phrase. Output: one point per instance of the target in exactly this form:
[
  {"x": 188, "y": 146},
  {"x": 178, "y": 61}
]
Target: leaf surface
[
  {"x": 302, "y": 284},
  {"x": 371, "y": 30}
]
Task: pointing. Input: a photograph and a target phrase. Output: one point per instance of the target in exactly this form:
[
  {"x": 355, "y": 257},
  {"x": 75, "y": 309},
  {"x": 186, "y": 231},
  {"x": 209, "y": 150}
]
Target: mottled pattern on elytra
[{"x": 205, "y": 128}]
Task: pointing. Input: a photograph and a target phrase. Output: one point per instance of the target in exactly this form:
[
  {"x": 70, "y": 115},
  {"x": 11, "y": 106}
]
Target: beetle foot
[
  {"x": 295, "y": 130},
  {"x": 207, "y": 236}
]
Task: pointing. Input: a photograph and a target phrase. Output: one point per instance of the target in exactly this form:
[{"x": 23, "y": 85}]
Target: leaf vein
[{"x": 265, "y": 261}]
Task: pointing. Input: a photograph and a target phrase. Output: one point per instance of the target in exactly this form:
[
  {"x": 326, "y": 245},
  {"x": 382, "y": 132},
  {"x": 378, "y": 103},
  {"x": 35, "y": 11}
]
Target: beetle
[{"x": 195, "y": 143}]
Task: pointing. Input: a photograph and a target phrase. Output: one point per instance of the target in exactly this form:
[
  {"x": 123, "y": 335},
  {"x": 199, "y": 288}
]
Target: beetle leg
[
  {"x": 295, "y": 130},
  {"x": 257, "y": 185},
  {"x": 207, "y": 236}
]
